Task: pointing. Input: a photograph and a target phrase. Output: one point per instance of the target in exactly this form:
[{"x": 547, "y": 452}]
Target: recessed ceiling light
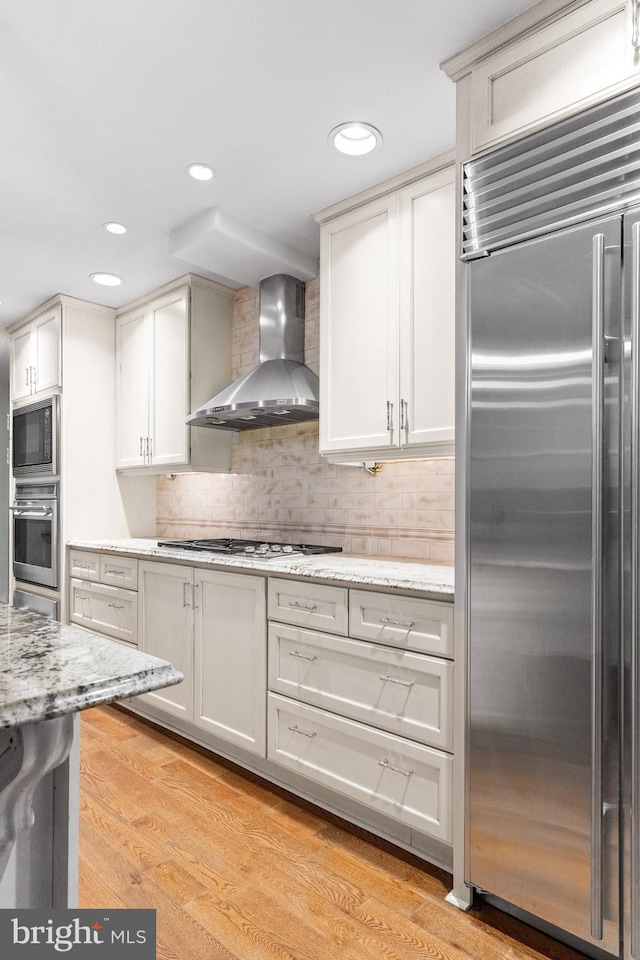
[
  {"x": 355, "y": 138},
  {"x": 107, "y": 279},
  {"x": 114, "y": 227},
  {"x": 200, "y": 171}
]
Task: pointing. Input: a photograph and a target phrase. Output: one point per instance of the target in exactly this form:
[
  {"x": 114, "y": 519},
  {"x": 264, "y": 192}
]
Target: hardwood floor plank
[{"x": 237, "y": 869}]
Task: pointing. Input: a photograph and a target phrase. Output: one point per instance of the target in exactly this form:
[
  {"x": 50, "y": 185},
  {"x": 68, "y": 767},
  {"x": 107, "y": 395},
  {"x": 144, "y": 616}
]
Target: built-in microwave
[{"x": 34, "y": 438}]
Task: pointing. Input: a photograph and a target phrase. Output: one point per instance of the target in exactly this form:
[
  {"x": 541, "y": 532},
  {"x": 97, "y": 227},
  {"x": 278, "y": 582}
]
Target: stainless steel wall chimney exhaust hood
[{"x": 280, "y": 389}]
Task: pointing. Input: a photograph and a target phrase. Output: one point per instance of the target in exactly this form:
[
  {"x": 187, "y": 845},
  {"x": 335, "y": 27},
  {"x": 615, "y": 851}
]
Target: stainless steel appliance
[
  {"x": 553, "y": 292},
  {"x": 250, "y": 548},
  {"x": 34, "y": 519},
  {"x": 34, "y": 438},
  {"x": 281, "y": 389},
  {"x": 24, "y": 600}
]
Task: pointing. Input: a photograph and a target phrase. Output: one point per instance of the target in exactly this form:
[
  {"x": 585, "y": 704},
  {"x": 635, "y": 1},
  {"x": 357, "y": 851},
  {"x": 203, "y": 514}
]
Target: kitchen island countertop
[
  {"x": 345, "y": 568},
  {"x": 48, "y": 669}
]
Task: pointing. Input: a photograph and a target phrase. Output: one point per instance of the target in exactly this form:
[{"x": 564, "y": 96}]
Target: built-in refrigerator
[{"x": 551, "y": 240}]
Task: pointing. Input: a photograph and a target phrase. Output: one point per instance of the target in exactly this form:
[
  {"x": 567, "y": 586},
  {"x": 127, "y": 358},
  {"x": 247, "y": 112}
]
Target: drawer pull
[
  {"x": 303, "y": 733},
  {"x": 302, "y": 656},
  {"x": 386, "y": 622},
  {"x": 308, "y": 607},
  {"x": 390, "y": 766},
  {"x": 116, "y": 606},
  {"x": 82, "y": 566},
  {"x": 403, "y": 683},
  {"x": 115, "y": 571}
]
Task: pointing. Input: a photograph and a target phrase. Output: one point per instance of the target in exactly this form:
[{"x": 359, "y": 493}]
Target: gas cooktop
[{"x": 250, "y": 548}]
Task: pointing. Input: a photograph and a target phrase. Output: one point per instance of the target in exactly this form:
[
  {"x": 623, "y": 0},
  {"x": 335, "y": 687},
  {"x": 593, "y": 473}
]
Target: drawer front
[
  {"x": 119, "y": 571},
  {"x": 401, "y": 779},
  {"x": 405, "y": 622},
  {"x": 405, "y": 693},
  {"x": 84, "y": 565},
  {"x": 105, "y": 609},
  {"x": 309, "y": 605}
]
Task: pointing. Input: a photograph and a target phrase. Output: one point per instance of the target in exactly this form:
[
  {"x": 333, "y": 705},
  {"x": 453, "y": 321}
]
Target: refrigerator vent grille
[{"x": 579, "y": 168}]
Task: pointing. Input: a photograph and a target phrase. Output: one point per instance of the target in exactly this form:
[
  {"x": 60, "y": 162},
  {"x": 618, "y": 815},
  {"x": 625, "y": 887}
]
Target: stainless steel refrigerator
[{"x": 552, "y": 239}]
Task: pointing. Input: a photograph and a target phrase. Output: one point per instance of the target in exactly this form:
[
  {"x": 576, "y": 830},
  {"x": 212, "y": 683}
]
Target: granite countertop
[
  {"x": 48, "y": 669},
  {"x": 347, "y": 569}
]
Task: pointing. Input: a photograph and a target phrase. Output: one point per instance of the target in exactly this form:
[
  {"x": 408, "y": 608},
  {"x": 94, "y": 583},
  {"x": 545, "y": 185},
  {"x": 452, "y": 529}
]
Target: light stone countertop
[
  {"x": 48, "y": 669},
  {"x": 344, "y": 568}
]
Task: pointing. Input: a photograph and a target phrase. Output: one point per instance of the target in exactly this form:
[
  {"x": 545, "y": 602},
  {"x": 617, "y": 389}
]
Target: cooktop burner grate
[{"x": 262, "y": 549}]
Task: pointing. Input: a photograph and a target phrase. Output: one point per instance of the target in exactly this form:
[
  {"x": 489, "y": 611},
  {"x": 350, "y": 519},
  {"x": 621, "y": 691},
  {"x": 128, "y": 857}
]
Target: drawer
[
  {"x": 119, "y": 571},
  {"x": 308, "y": 605},
  {"x": 405, "y": 693},
  {"x": 84, "y": 565},
  {"x": 401, "y": 779},
  {"x": 412, "y": 624},
  {"x": 105, "y": 609}
]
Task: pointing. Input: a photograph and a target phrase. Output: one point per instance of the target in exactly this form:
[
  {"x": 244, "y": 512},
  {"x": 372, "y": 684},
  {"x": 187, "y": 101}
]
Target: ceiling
[{"x": 105, "y": 104}]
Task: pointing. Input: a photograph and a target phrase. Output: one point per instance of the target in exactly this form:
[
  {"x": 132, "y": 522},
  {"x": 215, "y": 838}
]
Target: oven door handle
[{"x": 34, "y": 513}]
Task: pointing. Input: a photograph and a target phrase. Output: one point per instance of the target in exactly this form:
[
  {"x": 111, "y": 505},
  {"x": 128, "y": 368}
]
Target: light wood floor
[{"x": 238, "y": 871}]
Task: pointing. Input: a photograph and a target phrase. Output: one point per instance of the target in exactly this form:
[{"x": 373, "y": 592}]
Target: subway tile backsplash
[{"x": 281, "y": 489}]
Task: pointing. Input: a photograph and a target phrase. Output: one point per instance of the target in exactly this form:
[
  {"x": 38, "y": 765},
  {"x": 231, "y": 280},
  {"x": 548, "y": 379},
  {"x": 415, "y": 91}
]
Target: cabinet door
[
  {"x": 46, "y": 336},
  {"x": 359, "y": 329},
  {"x": 165, "y": 630},
  {"x": 21, "y": 364},
  {"x": 170, "y": 379},
  {"x": 231, "y": 658},
  {"x": 563, "y": 67},
  {"x": 132, "y": 378},
  {"x": 427, "y": 312}
]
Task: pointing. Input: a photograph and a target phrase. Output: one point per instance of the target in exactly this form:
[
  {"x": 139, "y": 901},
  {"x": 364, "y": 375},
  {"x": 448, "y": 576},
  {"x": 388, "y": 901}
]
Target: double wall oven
[{"x": 34, "y": 510}]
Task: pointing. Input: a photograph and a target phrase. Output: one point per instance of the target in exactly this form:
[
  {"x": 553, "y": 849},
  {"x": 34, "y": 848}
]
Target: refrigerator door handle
[
  {"x": 634, "y": 665},
  {"x": 596, "y": 582}
]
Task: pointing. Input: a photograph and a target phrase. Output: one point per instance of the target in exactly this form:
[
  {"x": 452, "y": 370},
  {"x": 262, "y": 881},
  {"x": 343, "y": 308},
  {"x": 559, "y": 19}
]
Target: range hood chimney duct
[{"x": 281, "y": 389}]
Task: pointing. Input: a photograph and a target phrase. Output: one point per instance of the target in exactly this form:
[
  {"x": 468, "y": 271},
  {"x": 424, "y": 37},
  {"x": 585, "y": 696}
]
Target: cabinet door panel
[
  {"x": 170, "y": 380},
  {"x": 402, "y": 779},
  {"x": 47, "y": 331},
  {"x": 560, "y": 68},
  {"x": 359, "y": 344},
  {"x": 132, "y": 375},
  {"x": 231, "y": 655},
  {"x": 21, "y": 362},
  {"x": 427, "y": 310},
  {"x": 165, "y": 630}
]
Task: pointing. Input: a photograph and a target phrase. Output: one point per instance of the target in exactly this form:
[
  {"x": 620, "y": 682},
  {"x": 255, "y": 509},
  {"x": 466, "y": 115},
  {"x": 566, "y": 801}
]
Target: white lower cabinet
[
  {"x": 405, "y": 780},
  {"x": 104, "y": 609},
  {"x": 166, "y": 630},
  {"x": 210, "y": 625},
  {"x": 230, "y": 658},
  {"x": 406, "y": 693}
]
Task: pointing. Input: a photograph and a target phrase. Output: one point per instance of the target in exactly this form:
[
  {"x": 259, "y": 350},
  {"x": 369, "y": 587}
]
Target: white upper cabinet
[
  {"x": 35, "y": 355},
  {"x": 387, "y": 274},
  {"x": 553, "y": 60},
  {"x": 157, "y": 370}
]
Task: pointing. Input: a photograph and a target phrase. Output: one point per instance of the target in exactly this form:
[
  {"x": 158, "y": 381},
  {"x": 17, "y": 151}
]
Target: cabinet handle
[
  {"x": 302, "y": 656},
  {"x": 386, "y": 622},
  {"x": 149, "y": 450},
  {"x": 404, "y": 415},
  {"x": 309, "y": 608},
  {"x": 390, "y": 766},
  {"x": 296, "y": 729},
  {"x": 389, "y": 416},
  {"x": 28, "y": 380},
  {"x": 634, "y": 24},
  {"x": 403, "y": 683},
  {"x": 185, "y": 587},
  {"x": 115, "y": 571},
  {"x": 82, "y": 566},
  {"x": 194, "y": 587},
  {"x": 141, "y": 446},
  {"x": 116, "y": 606},
  {"x": 33, "y": 378}
]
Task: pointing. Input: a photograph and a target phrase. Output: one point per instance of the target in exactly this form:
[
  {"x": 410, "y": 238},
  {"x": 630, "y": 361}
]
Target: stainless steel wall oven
[{"x": 35, "y": 532}]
